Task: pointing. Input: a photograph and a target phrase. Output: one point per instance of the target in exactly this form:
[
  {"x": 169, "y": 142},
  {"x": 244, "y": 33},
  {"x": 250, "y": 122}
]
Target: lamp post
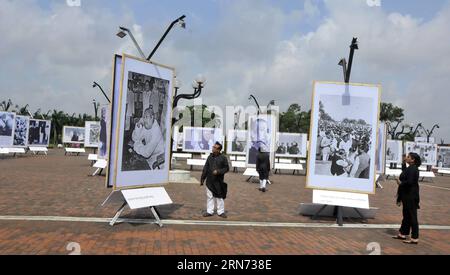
[
  {"x": 353, "y": 47},
  {"x": 96, "y": 105},
  {"x": 198, "y": 85},
  {"x": 125, "y": 31},
  {"x": 179, "y": 20},
  {"x": 101, "y": 89},
  {"x": 256, "y": 101},
  {"x": 428, "y": 132}
]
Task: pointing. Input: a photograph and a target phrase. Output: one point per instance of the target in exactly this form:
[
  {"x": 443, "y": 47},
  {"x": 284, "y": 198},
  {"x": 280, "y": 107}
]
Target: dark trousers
[{"x": 410, "y": 222}]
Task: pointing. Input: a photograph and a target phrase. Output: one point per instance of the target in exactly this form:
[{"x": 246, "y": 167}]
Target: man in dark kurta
[{"x": 215, "y": 168}]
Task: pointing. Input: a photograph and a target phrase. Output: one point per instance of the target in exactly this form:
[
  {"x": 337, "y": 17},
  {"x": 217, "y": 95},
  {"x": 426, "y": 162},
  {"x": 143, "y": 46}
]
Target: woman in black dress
[{"x": 408, "y": 197}]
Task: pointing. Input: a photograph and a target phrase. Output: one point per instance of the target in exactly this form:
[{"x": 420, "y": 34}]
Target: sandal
[{"x": 398, "y": 237}]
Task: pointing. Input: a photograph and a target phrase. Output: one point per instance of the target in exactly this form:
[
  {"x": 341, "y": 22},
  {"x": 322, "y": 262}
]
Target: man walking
[{"x": 215, "y": 168}]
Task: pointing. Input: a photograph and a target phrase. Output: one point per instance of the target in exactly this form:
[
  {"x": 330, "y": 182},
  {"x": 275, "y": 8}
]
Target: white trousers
[
  {"x": 262, "y": 184},
  {"x": 210, "y": 203}
]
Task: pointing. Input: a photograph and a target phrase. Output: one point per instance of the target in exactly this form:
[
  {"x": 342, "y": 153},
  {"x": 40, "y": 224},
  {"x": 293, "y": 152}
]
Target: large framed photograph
[
  {"x": 39, "y": 133},
  {"x": 92, "y": 134},
  {"x": 143, "y": 135},
  {"x": 394, "y": 151},
  {"x": 21, "y": 131},
  {"x": 426, "y": 151},
  {"x": 291, "y": 145},
  {"x": 343, "y": 137},
  {"x": 443, "y": 161},
  {"x": 201, "y": 140},
  {"x": 237, "y": 142},
  {"x": 380, "y": 160},
  {"x": 114, "y": 110},
  {"x": 103, "y": 134},
  {"x": 7, "y": 125},
  {"x": 73, "y": 135},
  {"x": 262, "y": 131}
]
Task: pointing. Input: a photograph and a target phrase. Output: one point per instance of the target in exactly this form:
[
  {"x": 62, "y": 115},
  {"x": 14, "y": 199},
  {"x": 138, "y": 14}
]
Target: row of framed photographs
[
  {"x": 23, "y": 131},
  {"x": 200, "y": 140},
  {"x": 430, "y": 154},
  {"x": 92, "y": 135}
]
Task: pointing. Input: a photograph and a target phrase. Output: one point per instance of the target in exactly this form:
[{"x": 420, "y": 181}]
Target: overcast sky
[{"x": 51, "y": 52}]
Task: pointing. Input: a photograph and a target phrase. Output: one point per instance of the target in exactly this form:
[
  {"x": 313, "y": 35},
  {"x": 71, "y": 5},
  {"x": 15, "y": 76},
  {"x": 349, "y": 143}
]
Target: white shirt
[{"x": 154, "y": 144}]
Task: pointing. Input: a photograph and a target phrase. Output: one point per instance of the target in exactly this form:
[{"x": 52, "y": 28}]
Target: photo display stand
[
  {"x": 37, "y": 149},
  {"x": 137, "y": 199},
  {"x": 100, "y": 164},
  {"x": 346, "y": 204},
  {"x": 341, "y": 203}
]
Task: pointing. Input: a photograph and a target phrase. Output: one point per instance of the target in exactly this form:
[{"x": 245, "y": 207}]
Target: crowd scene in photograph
[{"x": 346, "y": 145}]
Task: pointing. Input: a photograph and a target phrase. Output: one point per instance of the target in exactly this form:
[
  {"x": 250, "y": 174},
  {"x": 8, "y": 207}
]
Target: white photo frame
[
  {"x": 237, "y": 142},
  {"x": 104, "y": 133},
  {"x": 443, "y": 159},
  {"x": 426, "y": 151},
  {"x": 350, "y": 113},
  {"x": 73, "y": 135},
  {"x": 142, "y": 143},
  {"x": 201, "y": 140},
  {"x": 91, "y": 134},
  {"x": 380, "y": 160},
  {"x": 291, "y": 145},
  {"x": 21, "y": 131},
  {"x": 7, "y": 128},
  {"x": 394, "y": 151},
  {"x": 39, "y": 133},
  {"x": 114, "y": 109},
  {"x": 262, "y": 131}
]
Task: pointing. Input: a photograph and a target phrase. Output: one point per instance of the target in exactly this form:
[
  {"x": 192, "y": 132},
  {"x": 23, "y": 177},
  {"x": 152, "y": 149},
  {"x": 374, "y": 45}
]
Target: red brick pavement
[
  {"x": 58, "y": 185},
  {"x": 53, "y": 238}
]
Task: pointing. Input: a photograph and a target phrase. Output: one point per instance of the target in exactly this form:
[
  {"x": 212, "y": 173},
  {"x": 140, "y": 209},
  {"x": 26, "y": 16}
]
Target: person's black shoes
[
  {"x": 206, "y": 214},
  {"x": 223, "y": 215},
  {"x": 264, "y": 190}
]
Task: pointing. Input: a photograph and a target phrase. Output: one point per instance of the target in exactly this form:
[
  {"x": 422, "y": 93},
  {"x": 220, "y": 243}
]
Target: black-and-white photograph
[
  {"x": 73, "y": 135},
  {"x": 394, "y": 151},
  {"x": 39, "y": 132},
  {"x": 443, "y": 161},
  {"x": 103, "y": 135},
  {"x": 291, "y": 145},
  {"x": 261, "y": 136},
  {"x": 91, "y": 133},
  {"x": 201, "y": 140},
  {"x": 237, "y": 142},
  {"x": 145, "y": 134},
  {"x": 344, "y": 121},
  {"x": 344, "y": 138},
  {"x": 21, "y": 131},
  {"x": 7, "y": 122},
  {"x": 426, "y": 151}
]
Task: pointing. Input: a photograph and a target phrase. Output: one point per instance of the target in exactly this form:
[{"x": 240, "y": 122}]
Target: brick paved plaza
[{"x": 35, "y": 189}]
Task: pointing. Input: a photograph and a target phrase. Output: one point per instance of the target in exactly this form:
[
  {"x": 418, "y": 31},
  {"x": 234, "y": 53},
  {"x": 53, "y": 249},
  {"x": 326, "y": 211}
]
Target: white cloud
[{"x": 51, "y": 58}]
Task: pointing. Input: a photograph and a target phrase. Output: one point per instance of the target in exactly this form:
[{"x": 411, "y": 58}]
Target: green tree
[{"x": 294, "y": 120}]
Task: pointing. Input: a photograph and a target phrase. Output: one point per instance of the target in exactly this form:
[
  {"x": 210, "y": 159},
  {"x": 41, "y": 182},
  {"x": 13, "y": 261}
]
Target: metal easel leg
[
  {"x": 119, "y": 212},
  {"x": 95, "y": 172},
  {"x": 339, "y": 214},
  {"x": 155, "y": 214},
  {"x": 318, "y": 212},
  {"x": 248, "y": 180}
]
